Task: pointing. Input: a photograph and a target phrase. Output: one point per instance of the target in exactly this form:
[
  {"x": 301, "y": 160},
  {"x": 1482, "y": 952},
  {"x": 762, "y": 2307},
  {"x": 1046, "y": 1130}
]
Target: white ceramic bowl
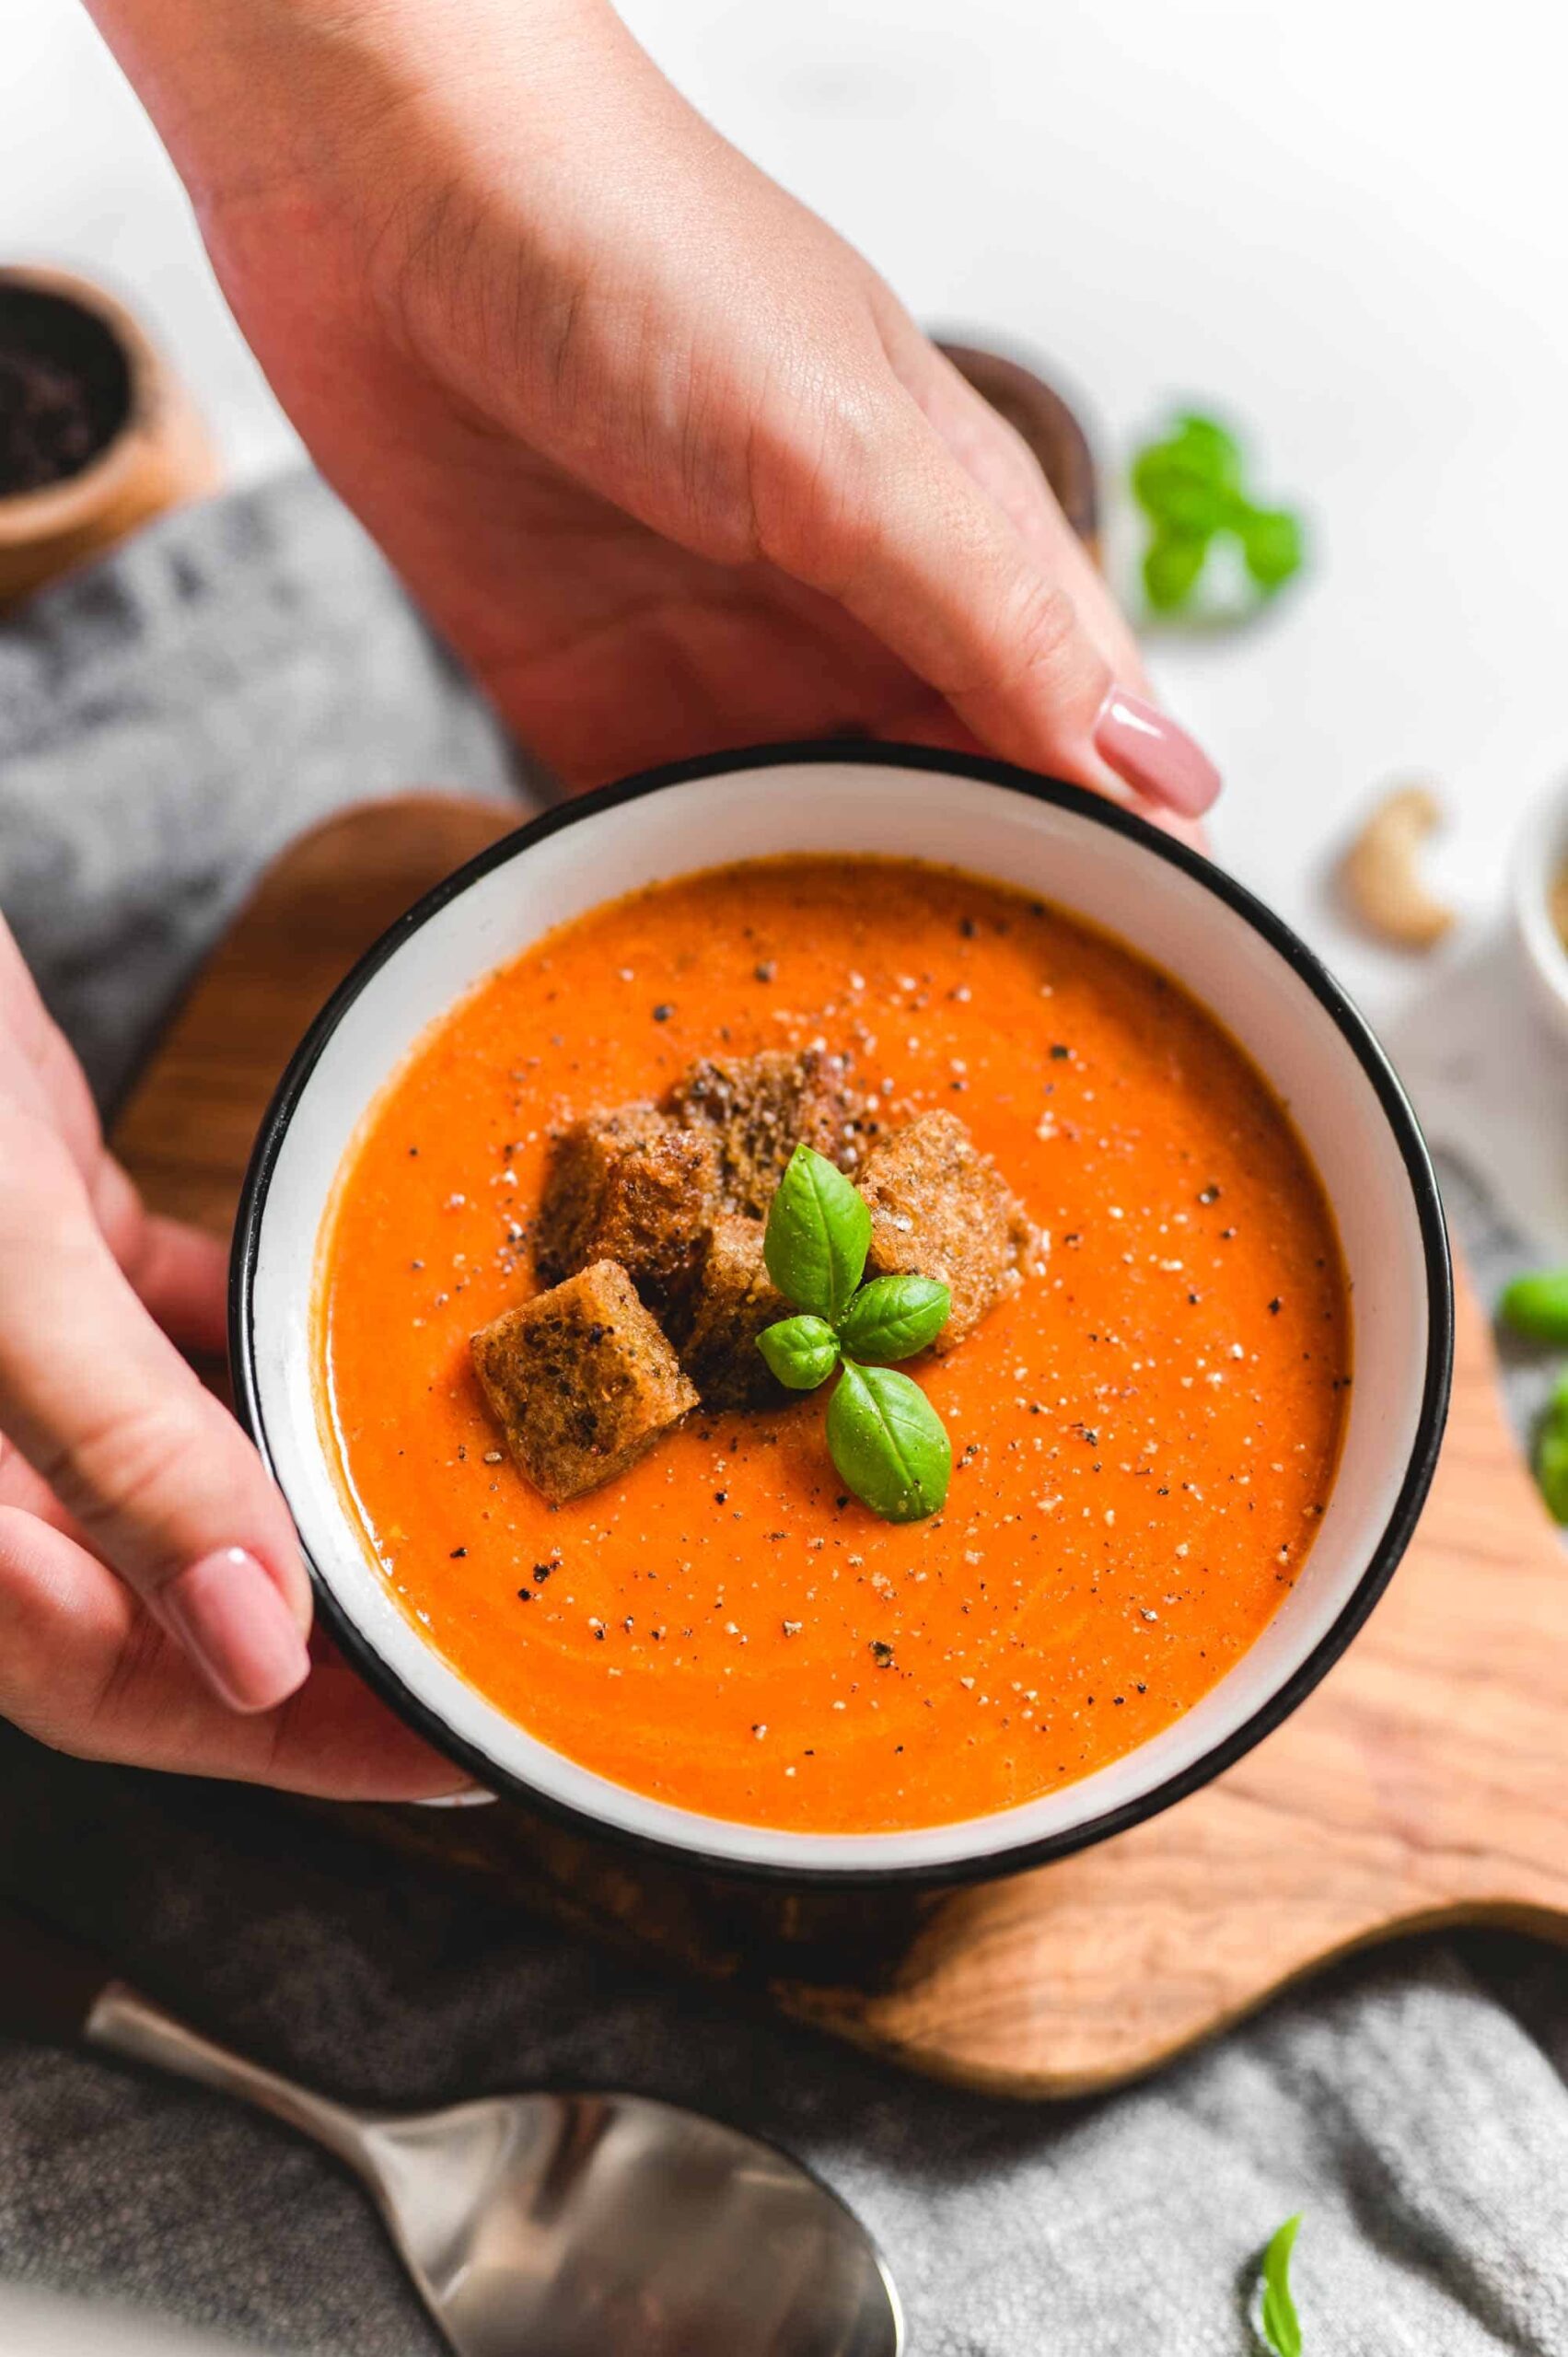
[
  {"x": 1067, "y": 846},
  {"x": 1541, "y": 851}
]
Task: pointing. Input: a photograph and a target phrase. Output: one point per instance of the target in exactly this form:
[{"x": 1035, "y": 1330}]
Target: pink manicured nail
[
  {"x": 1146, "y": 750},
  {"x": 227, "y": 1613}
]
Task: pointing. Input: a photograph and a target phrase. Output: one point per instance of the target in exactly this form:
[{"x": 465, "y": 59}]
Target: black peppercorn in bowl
[{"x": 95, "y": 436}]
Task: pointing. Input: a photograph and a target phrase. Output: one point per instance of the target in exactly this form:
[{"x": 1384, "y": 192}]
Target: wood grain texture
[{"x": 1426, "y": 1781}]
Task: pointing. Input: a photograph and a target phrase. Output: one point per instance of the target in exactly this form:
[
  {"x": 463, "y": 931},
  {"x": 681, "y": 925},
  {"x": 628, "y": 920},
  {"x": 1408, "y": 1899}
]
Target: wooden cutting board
[{"x": 1426, "y": 1783}]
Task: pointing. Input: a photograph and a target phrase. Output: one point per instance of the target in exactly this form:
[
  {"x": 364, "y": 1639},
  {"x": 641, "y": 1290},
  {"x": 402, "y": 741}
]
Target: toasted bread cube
[
  {"x": 761, "y": 1107},
  {"x": 581, "y": 1381},
  {"x": 654, "y": 1209},
  {"x": 735, "y": 1298},
  {"x": 581, "y": 1157},
  {"x": 941, "y": 1209}
]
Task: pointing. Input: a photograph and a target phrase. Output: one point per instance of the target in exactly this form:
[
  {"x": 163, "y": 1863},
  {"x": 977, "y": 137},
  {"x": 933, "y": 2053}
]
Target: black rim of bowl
[{"x": 1384, "y": 1559}]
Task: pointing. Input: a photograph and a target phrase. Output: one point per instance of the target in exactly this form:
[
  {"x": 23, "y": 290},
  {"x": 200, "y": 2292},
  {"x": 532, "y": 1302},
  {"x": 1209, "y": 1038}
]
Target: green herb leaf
[
  {"x": 1271, "y": 543},
  {"x": 1536, "y": 1306},
  {"x": 892, "y": 1317},
  {"x": 1209, "y": 446},
  {"x": 818, "y": 1235},
  {"x": 1176, "y": 495},
  {"x": 1552, "y": 1465},
  {"x": 1282, "y": 2326},
  {"x": 802, "y": 1351},
  {"x": 888, "y": 1443},
  {"x": 1189, "y": 480},
  {"x": 1172, "y": 562},
  {"x": 1190, "y": 484}
]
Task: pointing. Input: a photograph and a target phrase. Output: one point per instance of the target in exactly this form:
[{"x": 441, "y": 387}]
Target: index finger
[{"x": 886, "y": 518}]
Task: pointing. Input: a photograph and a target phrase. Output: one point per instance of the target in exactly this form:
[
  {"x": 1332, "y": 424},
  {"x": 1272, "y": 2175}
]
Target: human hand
[
  {"x": 152, "y": 1605},
  {"x": 660, "y": 454}
]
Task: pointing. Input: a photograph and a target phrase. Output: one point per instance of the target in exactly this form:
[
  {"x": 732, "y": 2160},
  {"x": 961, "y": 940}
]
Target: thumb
[
  {"x": 160, "y": 1481},
  {"x": 1005, "y": 623}
]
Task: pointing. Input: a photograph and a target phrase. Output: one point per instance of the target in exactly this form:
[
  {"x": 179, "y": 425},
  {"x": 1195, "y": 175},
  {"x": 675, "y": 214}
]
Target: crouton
[
  {"x": 654, "y": 1209},
  {"x": 581, "y": 1157},
  {"x": 581, "y": 1381},
  {"x": 941, "y": 1209},
  {"x": 759, "y": 1109},
  {"x": 735, "y": 1298}
]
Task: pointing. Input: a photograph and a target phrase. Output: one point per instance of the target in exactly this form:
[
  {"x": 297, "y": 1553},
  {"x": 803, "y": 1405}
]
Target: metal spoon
[{"x": 540, "y": 2225}]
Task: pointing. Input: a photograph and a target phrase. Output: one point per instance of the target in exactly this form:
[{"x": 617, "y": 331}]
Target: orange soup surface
[{"x": 1144, "y": 1435}]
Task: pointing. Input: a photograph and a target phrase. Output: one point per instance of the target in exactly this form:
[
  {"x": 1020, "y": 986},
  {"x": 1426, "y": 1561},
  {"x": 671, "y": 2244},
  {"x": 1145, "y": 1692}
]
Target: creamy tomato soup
[{"x": 1143, "y": 1433}]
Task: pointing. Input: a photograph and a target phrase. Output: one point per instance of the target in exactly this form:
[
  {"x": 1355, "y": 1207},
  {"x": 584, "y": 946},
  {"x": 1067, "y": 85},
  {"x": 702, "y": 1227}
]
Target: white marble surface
[{"x": 1348, "y": 223}]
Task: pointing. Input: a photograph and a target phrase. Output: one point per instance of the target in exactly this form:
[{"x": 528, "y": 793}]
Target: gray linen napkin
[
  {"x": 171, "y": 718},
  {"x": 165, "y": 723}
]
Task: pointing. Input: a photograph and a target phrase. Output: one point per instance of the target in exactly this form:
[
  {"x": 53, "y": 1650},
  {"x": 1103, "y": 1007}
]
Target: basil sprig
[
  {"x": 886, "y": 1439},
  {"x": 1282, "y": 2326},
  {"x": 1191, "y": 483}
]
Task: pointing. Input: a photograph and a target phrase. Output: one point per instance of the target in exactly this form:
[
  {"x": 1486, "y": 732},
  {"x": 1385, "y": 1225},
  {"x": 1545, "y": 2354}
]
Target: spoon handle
[
  {"x": 125, "y": 2022},
  {"x": 54, "y": 1988}
]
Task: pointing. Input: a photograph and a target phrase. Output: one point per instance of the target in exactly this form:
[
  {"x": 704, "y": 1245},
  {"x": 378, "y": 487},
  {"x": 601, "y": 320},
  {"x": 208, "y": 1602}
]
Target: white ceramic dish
[
  {"x": 1070, "y": 848},
  {"x": 1542, "y": 849}
]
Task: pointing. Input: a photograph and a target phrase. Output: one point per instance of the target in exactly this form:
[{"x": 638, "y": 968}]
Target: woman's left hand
[{"x": 154, "y": 1609}]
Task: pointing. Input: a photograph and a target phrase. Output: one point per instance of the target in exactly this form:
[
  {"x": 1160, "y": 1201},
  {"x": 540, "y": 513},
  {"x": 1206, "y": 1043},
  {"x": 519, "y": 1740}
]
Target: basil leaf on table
[
  {"x": 818, "y": 1235},
  {"x": 1191, "y": 483},
  {"x": 1536, "y": 1306},
  {"x": 1551, "y": 1454},
  {"x": 888, "y": 1443},
  {"x": 1187, "y": 480},
  {"x": 1272, "y": 545},
  {"x": 1172, "y": 562},
  {"x": 892, "y": 1317},
  {"x": 1282, "y": 2326},
  {"x": 801, "y": 1352}
]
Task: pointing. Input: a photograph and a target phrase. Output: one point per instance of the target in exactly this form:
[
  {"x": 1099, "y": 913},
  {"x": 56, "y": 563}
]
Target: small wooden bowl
[{"x": 158, "y": 455}]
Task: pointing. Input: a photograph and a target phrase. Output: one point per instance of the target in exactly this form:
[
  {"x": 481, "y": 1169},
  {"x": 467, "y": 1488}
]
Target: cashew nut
[{"x": 1381, "y": 875}]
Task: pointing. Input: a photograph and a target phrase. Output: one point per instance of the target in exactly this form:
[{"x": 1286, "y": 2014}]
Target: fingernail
[
  {"x": 1150, "y": 753},
  {"x": 227, "y": 1613}
]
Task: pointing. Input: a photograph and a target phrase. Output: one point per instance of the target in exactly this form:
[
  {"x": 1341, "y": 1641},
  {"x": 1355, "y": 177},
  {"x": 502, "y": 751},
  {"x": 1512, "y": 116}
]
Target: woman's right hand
[
  {"x": 154, "y": 1607},
  {"x": 662, "y": 457}
]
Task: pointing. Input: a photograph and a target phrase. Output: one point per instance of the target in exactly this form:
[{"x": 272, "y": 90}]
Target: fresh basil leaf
[
  {"x": 1172, "y": 564},
  {"x": 888, "y": 1443},
  {"x": 1282, "y": 2326},
  {"x": 1210, "y": 447},
  {"x": 1186, "y": 481},
  {"x": 818, "y": 1235},
  {"x": 1552, "y": 1465},
  {"x": 802, "y": 1351},
  {"x": 892, "y": 1317},
  {"x": 1536, "y": 1306},
  {"x": 1273, "y": 545}
]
